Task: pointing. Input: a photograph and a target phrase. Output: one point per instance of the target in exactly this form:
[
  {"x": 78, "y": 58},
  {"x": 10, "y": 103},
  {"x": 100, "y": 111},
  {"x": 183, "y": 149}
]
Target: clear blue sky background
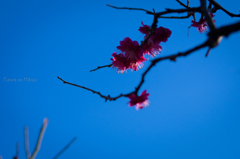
[{"x": 194, "y": 109}]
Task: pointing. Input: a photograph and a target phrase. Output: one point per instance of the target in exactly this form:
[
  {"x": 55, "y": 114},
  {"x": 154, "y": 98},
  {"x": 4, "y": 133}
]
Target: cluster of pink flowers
[
  {"x": 132, "y": 55},
  {"x": 139, "y": 101},
  {"x": 202, "y": 24}
]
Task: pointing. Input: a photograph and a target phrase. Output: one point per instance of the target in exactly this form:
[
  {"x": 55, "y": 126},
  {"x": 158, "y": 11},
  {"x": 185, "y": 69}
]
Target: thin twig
[
  {"x": 218, "y": 6},
  {"x": 65, "y": 148},
  {"x": 26, "y": 140},
  {"x": 188, "y": 3},
  {"x": 183, "y": 17},
  {"x": 182, "y": 4},
  {"x": 128, "y": 8},
  {"x": 189, "y": 30},
  {"x": 193, "y": 9},
  {"x": 17, "y": 149},
  {"x": 171, "y": 57},
  {"x": 101, "y": 95},
  {"x": 208, "y": 52},
  {"x": 40, "y": 137},
  {"x": 99, "y": 67}
]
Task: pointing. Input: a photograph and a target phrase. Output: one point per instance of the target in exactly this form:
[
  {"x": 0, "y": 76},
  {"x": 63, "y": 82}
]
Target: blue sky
[{"x": 194, "y": 102}]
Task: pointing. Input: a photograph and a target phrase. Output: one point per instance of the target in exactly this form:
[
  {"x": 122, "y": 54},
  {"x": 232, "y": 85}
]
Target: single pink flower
[
  {"x": 131, "y": 49},
  {"x": 120, "y": 62},
  {"x": 144, "y": 29},
  {"x": 152, "y": 49},
  {"x": 202, "y": 24},
  {"x": 161, "y": 35},
  {"x": 136, "y": 65},
  {"x": 139, "y": 101}
]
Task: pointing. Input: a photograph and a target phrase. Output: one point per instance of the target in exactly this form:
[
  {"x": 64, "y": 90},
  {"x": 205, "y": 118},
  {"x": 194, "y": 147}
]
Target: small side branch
[
  {"x": 101, "y": 95},
  {"x": 183, "y": 4},
  {"x": 193, "y": 9},
  {"x": 173, "y": 17},
  {"x": 65, "y": 148},
  {"x": 99, "y": 67},
  {"x": 128, "y": 8},
  {"x": 171, "y": 57},
  {"x": 40, "y": 137},
  {"x": 218, "y": 6},
  {"x": 26, "y": 140}
]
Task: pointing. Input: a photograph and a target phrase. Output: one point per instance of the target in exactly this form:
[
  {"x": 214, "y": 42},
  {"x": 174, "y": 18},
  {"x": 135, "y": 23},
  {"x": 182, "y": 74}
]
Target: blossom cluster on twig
[{"x": 133, "y": 54}]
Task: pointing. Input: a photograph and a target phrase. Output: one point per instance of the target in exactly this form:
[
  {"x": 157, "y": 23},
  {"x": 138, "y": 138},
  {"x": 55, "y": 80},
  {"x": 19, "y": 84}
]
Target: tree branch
[
  {"x": 40, "y": 137},
  {"x": 218, "y": 6},
  {"x": 193, "y": 9},
  {"x": 214, "y": 39},
  {"x": 173, "y": 17},
  {"x": 26, "y": 140},
  {"x": 183, "y": 4},
  {"x": 128, "y": 8},
  {"x": 65, "y": 148},
  {"x": 99, "y": 67},
  {"x": 207, "y": 16},
  {"x": 101, "y": 95}
]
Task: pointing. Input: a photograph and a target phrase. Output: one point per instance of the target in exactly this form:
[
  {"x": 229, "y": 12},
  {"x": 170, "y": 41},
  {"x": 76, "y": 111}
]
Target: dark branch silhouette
[
  {"x": 218, "y": 6},
  {"x": 214, "y": 37},
  {"x": 99, "y": 67},
  {"x": 65, "y": 148}
]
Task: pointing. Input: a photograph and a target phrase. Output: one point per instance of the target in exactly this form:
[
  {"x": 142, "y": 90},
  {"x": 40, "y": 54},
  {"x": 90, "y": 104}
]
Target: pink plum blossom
[
  {"x": 136, "y": 65},
  {"x": 144, "y": 29},
  {"x": 119, "y": 62},
  {"x": 139, "y": 101},
  {"x": 152, "y": 49},
  {"x": 131, "y": 49},
  {"x": 161, "y": 35},
  {"x": 202, "y": 24}
]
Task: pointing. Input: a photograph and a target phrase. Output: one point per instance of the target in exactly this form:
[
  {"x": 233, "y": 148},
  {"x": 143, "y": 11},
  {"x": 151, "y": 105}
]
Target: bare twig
[
  {"x": 173, "y": 17},
  {"x": 182, "y": 4},
  {"x": 26, "y": 140},
  {"x": 65, "y": 148},
  {"x": 40, "y": 137},
  {"x": 99, "y": 67},
  {"x": 17, "y": 149},
  {"x": 171, "y": 57},
  {"x": 209, "y": 49},
  {"x": 218, "y": 6},
  {"x": 193, "y": 9},
  {"x": 102, "y": 96},
  {"x": 188, "y": 31},
  {"x": 128, "y": 8}
]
